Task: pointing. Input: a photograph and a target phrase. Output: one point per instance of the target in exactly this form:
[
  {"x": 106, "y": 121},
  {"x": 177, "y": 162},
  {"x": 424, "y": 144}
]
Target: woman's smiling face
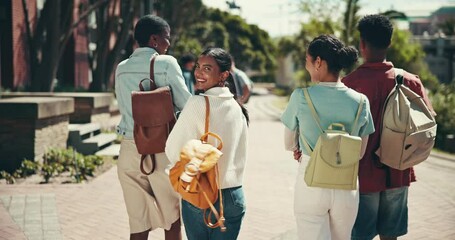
[{"x": 207, "y": 73}]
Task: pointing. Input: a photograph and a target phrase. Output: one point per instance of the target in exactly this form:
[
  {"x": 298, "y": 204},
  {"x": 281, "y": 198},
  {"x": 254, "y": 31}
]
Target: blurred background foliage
[{"x": 195, "y": 27}]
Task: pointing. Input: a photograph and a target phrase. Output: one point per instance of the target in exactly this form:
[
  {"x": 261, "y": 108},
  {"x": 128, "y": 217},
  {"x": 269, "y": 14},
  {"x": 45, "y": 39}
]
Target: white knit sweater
[{"x": 226, "y": 120}]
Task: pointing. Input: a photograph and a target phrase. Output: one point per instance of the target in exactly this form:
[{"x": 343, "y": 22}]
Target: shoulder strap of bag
[
  {"x": 315, "y": 117},
  {"x": 399, "y": 76},
  {"x": 307, "y": 146},
  {"x": 152, "y": 73},
  {"x": 313, "y": 110},
  {"x": 220, "y": 217},
  {"x": 151, "y": 79},
  {"x": 152, "y": 87},
  {"x": 359, "y": 111},
  {"x": 207, "y": 115}
]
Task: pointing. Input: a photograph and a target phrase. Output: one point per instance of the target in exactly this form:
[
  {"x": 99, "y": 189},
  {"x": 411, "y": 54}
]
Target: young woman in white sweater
[{"x": 229, "y": 120}]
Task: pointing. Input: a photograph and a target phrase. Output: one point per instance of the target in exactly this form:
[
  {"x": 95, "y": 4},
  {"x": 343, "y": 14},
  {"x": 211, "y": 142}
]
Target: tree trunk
[
  {"x": 122, "y": 39},
  {"x": 50, "y": 53},
  {"x": 104, "y": 58}
]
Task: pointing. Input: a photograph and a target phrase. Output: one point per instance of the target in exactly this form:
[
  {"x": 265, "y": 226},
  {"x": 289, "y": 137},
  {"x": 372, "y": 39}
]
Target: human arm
[
  {"x": 364, "y": 145},
  {"x": 368, "y": 125},
  {"x": 291, "y": 142},
  {"x": 290, "y": 121},
  {"x": 246, "y": 94}
]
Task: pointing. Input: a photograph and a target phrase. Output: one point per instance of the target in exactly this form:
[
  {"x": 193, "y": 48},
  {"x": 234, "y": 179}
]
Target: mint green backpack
[{"x": 334, "y": 161}]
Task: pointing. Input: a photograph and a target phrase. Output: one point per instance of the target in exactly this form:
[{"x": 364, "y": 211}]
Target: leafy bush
[
  {"x": 80, "y": 167},
  {"x": 56, "y": 162},
  {"x": 8, "y": 177},
  {"x": 443, "y": 101},
  {"x": 26, "y": 169}
]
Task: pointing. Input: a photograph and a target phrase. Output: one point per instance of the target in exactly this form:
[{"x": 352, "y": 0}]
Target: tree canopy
[{"x": 403, "y": 53}]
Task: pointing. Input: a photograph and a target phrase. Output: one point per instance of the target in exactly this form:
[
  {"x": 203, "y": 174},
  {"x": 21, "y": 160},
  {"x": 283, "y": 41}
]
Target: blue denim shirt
[{"x": 137, "y": 67}]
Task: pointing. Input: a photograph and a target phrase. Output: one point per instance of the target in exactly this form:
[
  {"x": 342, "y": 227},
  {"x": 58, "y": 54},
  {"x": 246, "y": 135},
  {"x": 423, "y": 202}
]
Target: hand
[{"x": 297, "y": 155}]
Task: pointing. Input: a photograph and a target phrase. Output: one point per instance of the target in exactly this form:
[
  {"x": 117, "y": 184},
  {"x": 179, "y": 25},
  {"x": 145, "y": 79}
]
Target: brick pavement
[{"x": 96, "y": 210}]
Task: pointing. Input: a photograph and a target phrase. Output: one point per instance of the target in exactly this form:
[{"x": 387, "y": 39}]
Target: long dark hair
[{"x": 224, "y": 61}]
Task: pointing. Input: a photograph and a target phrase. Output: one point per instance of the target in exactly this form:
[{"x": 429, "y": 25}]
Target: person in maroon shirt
[{"x": 383, "y": 191}]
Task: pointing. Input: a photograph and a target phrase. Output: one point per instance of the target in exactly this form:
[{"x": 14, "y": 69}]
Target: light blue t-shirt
[{"x": 334, "y": 103}]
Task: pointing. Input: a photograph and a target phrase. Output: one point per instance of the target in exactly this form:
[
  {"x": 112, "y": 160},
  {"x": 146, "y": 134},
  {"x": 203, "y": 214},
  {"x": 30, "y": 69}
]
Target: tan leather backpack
[{"x": 154, "y": 118}]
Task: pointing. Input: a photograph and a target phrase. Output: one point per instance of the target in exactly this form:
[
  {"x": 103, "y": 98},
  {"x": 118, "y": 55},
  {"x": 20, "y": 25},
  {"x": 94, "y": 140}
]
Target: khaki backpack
[
  {"x": 334, "y": 161},
  {"x": 408, "y": 129}
]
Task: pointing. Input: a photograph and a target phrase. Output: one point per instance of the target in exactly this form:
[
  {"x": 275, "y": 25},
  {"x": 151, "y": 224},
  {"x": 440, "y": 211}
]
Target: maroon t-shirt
[{"x": 376, "y": 80}]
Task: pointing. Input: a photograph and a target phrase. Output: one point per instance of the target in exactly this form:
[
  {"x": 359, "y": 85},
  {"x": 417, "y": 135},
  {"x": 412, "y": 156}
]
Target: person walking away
[
  {"x": 243, "y": 84},
  {"x": 229, "y": 120},
  {"x": 324, "y": 213},
  {"x": 383, "y": 200},
  {"x": 150, "y": 200},
  {"x": 187, "y": 62}
]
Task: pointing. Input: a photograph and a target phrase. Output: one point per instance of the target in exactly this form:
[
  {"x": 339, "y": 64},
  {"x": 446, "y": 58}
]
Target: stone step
[
  {"x": 84, "y": 129},
  {"x": 95, "y": 143},
  {"x": 112, "y": 150},
  {"x": 101, "y": 139}
]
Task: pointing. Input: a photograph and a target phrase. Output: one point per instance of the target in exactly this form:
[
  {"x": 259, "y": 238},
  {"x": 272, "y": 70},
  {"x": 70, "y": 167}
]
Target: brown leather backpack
[{"x": 154, "y": 118}]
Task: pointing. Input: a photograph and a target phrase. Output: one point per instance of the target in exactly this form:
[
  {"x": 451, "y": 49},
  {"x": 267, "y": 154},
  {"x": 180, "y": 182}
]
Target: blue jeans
[
  {"x": 234, "y": 210},
  {"x": 384, "y": 213}
]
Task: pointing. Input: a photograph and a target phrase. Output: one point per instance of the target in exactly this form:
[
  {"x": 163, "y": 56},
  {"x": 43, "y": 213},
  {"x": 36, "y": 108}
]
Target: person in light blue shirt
[
  {"x": 243, "y": 84},
  {"x": 187, "y": 62},
  {"x": 323, "y": 213},
  {"x": 150, "y": 200}
]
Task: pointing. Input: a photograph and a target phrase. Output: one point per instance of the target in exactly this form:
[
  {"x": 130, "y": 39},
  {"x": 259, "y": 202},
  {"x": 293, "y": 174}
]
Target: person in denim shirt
[{"x": 150, "y": 200}]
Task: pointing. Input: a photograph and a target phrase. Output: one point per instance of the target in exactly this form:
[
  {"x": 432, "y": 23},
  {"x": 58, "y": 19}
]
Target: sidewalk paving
[{"x": 96, "y": 210}]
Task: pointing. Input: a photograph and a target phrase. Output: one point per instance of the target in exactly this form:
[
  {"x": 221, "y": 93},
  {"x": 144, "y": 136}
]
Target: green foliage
[
  {"x": 49, "y": 170},
  {"x": 443, "y": 101},
  {"x": 80, "y": 167},
  {"x": 251, "y": 47},
  {"x": 56, "y": 162},
  {"x": 8, "y": 177},
  {"x": 324, "y": 17},
  {"x": 27, "y": 168},
  {"x": 410, "y": 56},
  {"x": 313, "y": 28},
  {"x": 448, "y": 27},
  {"x": 349, "y": 34}
]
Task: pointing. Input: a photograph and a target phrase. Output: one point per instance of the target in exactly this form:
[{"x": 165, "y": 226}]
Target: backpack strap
[
  {"x": 315, "y": 117},
  {"x": 220, "y": 217},
  {"x": 399, "y": 76},
  {"x": 313, "y": 110},
  {"x": 152, "y": 73},
  {"x": 152, "y": 87},
  {"x": 307, "y": 145},
  {"x": 359, "y": 110},
  {"x": 207, "y": 115}
]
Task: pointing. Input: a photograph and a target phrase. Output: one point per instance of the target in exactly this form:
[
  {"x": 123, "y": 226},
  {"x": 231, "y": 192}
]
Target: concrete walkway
[{"x": 96, "y": 210}]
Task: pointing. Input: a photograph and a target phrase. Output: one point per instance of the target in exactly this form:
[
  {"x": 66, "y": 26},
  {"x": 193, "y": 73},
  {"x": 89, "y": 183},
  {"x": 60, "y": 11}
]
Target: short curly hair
[
  {"x": 147, "y": 26},
  {"x": 376, "y": 30}
]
